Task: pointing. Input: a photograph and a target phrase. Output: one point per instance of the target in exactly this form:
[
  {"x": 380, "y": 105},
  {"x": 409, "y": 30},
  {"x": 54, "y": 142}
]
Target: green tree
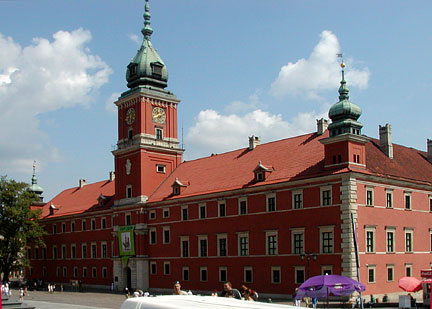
[{"x": 19, "y": 225}]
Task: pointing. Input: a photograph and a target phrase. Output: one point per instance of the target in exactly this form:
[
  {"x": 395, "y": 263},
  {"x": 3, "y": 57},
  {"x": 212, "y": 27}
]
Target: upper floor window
[
  {"x": 407, "y": 201},
  {"x": 128, "y": 219},
  {"x": 327, "y": 239},
  {"x": 72, "y": 226},
  {"x": 152, "y": 237},
  {"x": 243, "y": 240},
  {"x": 184, "y": 211},
  {"x": 297, "y": 199},
  {"x": 271, "y": 202},
  {"x": 184, "y": 241},
  {"x": 408, "y": 240},
  {"x": 371, "y": 274},
  {"x": 128, "y": 191},
  {"x": 222, "y": 209},
  {"x": 297, "y": 241},
  {"x": 326, "y": 196},
  {"x": 104, "y": 223},
  {"x": 370, "y": 240},
  {"x": 166, "y": 234},
  {"x": 271, "y": 243},
  {"x": 389, "y": 199},
  {"x": 202, "y": 211},
  {"x": 222, "y": 245},
  {"x": 390, "y": 240},
  {"x": 202, "y": 246},
  {"x": 369, "y": 197},
  {"x": 158, "y": 132},
  {"x": 152, "y": 214},
  {"x": 63, "y": 227},
  {"x": 83, "y": 225},
  {"x": 54, "y": 228},
  {"x": 165, "y": 212},
  {"x": 242, "y": 206},
  {"x": 93, "y": 224},
  {"x": 160, "y": 168},
  {"x": 275, "y": 274}
]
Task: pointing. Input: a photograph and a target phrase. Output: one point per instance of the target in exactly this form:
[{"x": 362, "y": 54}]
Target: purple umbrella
[{"x": 323, "y": 286}]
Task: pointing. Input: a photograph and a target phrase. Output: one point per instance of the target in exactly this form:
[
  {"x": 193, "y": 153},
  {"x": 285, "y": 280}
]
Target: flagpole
[{"x": 357, "y": 257}]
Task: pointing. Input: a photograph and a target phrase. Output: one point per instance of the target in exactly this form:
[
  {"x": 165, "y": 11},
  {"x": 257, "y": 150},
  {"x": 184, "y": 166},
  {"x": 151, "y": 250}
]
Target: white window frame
[
  {"x": 63, "y": 226},
  {"x": 410, "y": 267},
  {"x": 185, "y": 268},
  {"x": 389, "y": 191},
  {"x": 240, "y": 200},
  {"x": 269, "y": 196},
  {"x": 371, "y": 268},
  {"x": 326, "y": 268},
  {"x": 93, "y": 224},
  {"x": 104, "y": 223},
  {"x": 294, "y": 193},
  {"x": 151, "y": 268},
  {"x": 72, "y": 254},
  {"x": 390, "y": 229},
  {"x": 219, "y": 237},
  {"x": 104, "y": 243},
  {"x": 274, "y": 268},
  {"x": 371, "y": 229},
  {"x": 245, "y": 270},
  {"x": 326, "y": 229},
  {"x": 323, "y": 189},
  {"x": 91, "y": 250},
  {"x": 152, "y": 214},
  {"x": 202, "y": 268},
  {"x": 184, "y": 239},
  {"x": 55, "y": 253},
  {"x": 297, "y": 231},
  {"x": 407, "y": 194},
  {"x": 161, "y": 133},
  {"x": 388, "y": 267},
  {"x": 151, "y": 231},
  {"x": 128, "y": 215},
  {"x": 410, "y": 231},
  {"x": 200, "y": 206},
  {"x": 369, "y": 189},
  {"x": 84, "y": 272},
  {"x": 221, "y": 269},
  {"x": 187, "y": 213},
  {"x": 63, "y": 252},
  {"x": 83, "y": 225},
  {"x": 202, "y": 237},
  {"x": 160, "y": 168},
  {"x": 169, "y": 268},
  {"x": 296, "y": 269},
  {"x": 129, "y": 187},
  {"x": 239, "y": 236},
  {"x": 268, "y": 234},
  {"x": 222, "y": 202},
  {"x": 164, "y": 229},
  {"x": 82, "y": 251},
  {"x": 165, "y": 212}
]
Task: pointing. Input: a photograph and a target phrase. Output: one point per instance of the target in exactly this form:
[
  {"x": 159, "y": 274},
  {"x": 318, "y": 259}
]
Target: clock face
[
  {"x": 130, "y": 116},
  {"x": 158, "y": 114}
]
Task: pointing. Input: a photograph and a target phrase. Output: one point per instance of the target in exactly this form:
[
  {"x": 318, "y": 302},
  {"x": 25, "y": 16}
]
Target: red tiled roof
[
  {"x": 78, "y": 200},
  {"x": 291, "y": 159}
]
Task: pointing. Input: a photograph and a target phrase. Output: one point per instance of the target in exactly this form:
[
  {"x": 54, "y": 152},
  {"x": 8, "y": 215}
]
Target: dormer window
[
  {"x": 52, "y": 208},
  {"x": 261, "y": 172},
  {"x": 157, "y": 69},
  {"x": 177, "y": 187},
  {"x": 133, "y": 69}
]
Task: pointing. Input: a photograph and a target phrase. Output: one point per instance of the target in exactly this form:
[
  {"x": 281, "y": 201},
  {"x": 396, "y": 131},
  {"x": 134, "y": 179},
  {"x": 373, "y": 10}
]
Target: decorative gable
[
  {"x": 261, "y": 172},
  {"x": 178, "y": 187}
]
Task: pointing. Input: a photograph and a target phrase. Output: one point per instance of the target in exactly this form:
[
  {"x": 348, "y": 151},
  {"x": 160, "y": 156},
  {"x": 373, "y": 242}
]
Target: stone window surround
[
  {"x": 294, "y": 193},
  {"x": 296, "y": 231}
]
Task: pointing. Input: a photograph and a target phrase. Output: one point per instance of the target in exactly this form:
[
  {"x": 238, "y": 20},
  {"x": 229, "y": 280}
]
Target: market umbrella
[
  {"x": 324, "y": 285},
  {"x": 410, "y": 284}
]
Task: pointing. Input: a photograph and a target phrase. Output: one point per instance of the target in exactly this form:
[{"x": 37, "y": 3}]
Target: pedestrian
[
  {"x": 177, "y": 289},
  {"x": 21, "y": 294},
  {"x": 229, "y": 291}
]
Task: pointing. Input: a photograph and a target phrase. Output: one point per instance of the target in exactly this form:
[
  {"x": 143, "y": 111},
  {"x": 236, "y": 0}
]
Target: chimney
[
  {"x": 385, "y": 140},
  {"x": 111, "y": 176},
  {"x": 429, "y": 150},
  {"x": 322, "y": 125},
  {"x": 253, "y": 141},
  {"x": 82, "y": 183}
]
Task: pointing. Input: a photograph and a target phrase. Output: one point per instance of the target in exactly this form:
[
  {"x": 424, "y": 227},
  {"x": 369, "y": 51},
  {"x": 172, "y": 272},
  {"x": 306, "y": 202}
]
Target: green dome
[
  {"x": 344, "y": 114},
  {"x": 147, "y": 68}
]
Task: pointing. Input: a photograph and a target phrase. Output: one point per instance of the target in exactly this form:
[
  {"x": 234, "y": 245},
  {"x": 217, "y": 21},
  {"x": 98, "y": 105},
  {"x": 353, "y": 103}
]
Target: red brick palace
[{"x": 268, "y": 215}]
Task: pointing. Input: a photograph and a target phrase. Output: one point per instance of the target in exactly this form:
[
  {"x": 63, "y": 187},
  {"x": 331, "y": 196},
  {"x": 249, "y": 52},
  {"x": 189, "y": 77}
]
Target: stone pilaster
[
  {"x": 348, "y": 207},
  {"x": 142, "y": 274},
  {"x": 118, "y": 272}
]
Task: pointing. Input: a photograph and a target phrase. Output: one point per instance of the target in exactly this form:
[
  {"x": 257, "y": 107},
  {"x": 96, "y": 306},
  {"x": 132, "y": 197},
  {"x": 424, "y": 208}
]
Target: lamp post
[{"x": 308, "y": 255}]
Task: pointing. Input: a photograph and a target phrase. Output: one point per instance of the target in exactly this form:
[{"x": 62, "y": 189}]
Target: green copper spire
[
  {"x": 147, "y": 30},
  {"x": 344, "y": 114},
  {"x": 147, "y": 68},
  {"x": 34, "y": 187}
]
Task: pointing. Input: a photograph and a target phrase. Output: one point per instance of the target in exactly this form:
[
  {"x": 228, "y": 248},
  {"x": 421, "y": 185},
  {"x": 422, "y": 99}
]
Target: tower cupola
[
  {"x": 34, "y": 186},
  {"x": 344, "y": 114},
  {"x": 147, "y": 68}
]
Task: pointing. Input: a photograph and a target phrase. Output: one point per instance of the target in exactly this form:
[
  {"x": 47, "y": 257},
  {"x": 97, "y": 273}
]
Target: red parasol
[{"x": 410, "y": 284}]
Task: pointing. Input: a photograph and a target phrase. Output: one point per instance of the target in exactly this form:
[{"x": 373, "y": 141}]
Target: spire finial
[
  {"x": 34, "y": 181},
  {"x": 343, "y": 89},
  {"x": 147, "y": 30}
]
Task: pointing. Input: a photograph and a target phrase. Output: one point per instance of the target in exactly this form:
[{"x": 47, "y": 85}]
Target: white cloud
[
  {"x": 135, "y": 38},
  {"x": 109, "y": 103},
  {"x": 216, "y": 133},
  {"x": 42, "y": 77},
  {"x": 242, "y": 107},
  {"x": 321, "y": 71}
]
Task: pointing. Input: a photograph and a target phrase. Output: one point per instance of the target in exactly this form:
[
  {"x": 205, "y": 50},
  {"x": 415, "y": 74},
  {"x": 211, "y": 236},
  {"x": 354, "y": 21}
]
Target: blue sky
[{"x": 267, "y": 68}]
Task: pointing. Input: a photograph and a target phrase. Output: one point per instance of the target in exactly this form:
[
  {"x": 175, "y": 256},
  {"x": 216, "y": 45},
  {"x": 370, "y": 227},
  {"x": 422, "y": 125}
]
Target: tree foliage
[{"x": 19, "y": 225}]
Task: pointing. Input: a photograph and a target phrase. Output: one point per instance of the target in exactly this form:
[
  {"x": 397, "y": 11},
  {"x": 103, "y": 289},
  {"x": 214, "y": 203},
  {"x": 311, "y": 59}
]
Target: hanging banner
[{"x": 126, "y": 240}]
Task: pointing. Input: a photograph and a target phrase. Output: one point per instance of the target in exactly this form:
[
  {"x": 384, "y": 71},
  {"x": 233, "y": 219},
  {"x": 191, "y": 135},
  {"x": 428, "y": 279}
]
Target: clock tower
[{"x": 147, "y": 148}]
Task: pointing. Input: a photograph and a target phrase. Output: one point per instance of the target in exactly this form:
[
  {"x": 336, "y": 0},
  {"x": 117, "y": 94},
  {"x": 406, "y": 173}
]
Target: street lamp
[{"x": 308, "y": 255}]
